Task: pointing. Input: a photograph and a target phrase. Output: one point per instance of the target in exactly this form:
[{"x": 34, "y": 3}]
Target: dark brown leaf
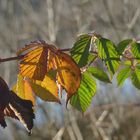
[
  {"x": 23, "y": 110},
  {"x": 13, "y": 106}
]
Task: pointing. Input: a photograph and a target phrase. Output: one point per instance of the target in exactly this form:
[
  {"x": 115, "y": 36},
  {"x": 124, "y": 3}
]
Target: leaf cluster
[{"x": 45, "y": 71}]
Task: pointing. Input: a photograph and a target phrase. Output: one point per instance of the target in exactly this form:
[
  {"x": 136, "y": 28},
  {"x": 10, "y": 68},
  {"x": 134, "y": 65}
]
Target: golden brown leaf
[
  {"x": 47, "y": 89},
  {"x": 29, "y": 47},
  {"x": 42, "y": 59},
  {"x": 23, "y": 89},
  {"x": 69, "y": 74},
  {"x": 34, "y": 63}
]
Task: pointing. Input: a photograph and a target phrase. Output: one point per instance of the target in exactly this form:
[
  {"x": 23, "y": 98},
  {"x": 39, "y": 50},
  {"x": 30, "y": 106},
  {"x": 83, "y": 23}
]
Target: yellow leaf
[
  {"x": 34, "y": 63},
  {"x": 23, "y": 89},
  {"x": 44, "y": 58},
  {"x": 47, "y": 89},
  {"x": 69, "y": 74}
]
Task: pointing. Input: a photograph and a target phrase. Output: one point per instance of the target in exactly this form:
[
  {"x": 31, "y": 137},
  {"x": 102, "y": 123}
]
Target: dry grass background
[{"x": 115, "y": 113}]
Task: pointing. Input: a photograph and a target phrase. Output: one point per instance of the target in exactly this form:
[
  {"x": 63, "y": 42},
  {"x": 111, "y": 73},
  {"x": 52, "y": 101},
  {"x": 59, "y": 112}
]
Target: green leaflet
[
  {"x": 108, "y": 53},
  {"x": 127, "y": 63},
  {"x": 123, "y": 75},
  {"x": 80, "y": 50},
  {"x": 99, "y": 74},
  {"x": 135, "y": 47},
  {"x": 82, "y": 99},
  {"x": 135, "y": 77},
  {"x": 122, "y": 45}
]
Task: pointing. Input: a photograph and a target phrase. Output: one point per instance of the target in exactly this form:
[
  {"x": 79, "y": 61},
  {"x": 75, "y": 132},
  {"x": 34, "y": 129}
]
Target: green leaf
[
  {"x": 127, "y": 63},
  {"x": 80, "y": 50},
  {"x": 135, "y": 47},
  {"x": 82, "y": 99},
  {"x": 91, "y": 58},
  {"x": 99, "y": 74},
  {"x": 123, "y": 75},
  {"x": 107, "y": 52},
  {"x": 122, "y": 45},
  {"x": 135, "y": 77}
]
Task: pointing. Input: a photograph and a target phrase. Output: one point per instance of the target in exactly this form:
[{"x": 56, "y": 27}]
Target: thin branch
[
  {"x": 69, "y": 49},
  {"x": 21, "y": 56},
  {"x": 130, "y": 57},
  {"x": 65, "y": 49},
  {"x": 11, "y": 58}
]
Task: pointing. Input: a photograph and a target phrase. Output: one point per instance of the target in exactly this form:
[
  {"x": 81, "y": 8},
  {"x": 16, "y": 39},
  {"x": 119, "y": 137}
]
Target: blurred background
[{"x": 114, "y": 113}]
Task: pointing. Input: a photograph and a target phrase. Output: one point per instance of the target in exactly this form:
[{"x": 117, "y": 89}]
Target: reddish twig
[
  {"x": 11, "y": 58},
  {"x": 65, "y": 49}
]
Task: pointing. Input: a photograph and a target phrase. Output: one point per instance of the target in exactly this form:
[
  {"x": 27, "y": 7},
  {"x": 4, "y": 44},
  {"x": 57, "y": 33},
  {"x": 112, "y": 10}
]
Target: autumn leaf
[
  {"x": 47, "y": 89},
  {"x": 63, "y": 71},
  {"x": 69, "y": 74},
  {"x": 4, "y": 100},
  {"x": 23, "y": 110},
  {"x": 34, "y": 63},
  {"x": 38, "y": 61},
  {"x": 13, "y": 106},
  {"x": 23, "y": 89}
]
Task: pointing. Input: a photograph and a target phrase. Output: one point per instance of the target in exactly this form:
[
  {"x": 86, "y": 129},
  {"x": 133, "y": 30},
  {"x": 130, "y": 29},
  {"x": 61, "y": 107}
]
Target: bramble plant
[{"x": 45, "y": 71}]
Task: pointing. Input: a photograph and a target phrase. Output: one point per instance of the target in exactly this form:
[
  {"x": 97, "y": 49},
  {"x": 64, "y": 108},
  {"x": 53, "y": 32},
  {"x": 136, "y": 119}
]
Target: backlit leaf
[
  {"x": 69, "y": 74},
  {"x": 39, "y": 61},
  {"x": 80, "y": 50},
  {"x": 135, "y": 47},
  {"x": 82, "y": 99},
  {"x": 123, "y": 75},
  {"x": 34, "y": 63},
  {"x": 108, "y": 53},
  {"x": 47, "y": 89},
  {"x": 99, "y": 74},
  {"x": 135, "y": 77},
  {"x": 23, "y": 89},
  {"x": 123, "y": 45}
]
